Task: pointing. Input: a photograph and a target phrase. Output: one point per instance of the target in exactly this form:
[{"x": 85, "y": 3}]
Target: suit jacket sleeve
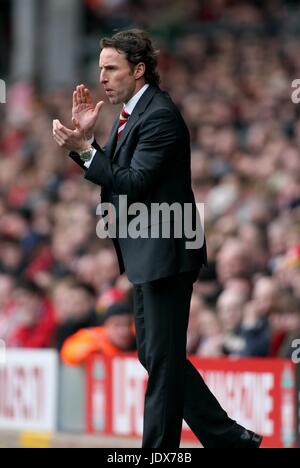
[
  {"x": 157, "y": 147},
  {"x": 77, "y": 159}
]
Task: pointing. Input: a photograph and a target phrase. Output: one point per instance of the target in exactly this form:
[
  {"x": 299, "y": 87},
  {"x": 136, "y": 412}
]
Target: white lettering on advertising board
[{"x": 28, "y": 390}]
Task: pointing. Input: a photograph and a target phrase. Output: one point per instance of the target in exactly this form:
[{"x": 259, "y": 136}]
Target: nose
[{"x": 103, "y": 77}]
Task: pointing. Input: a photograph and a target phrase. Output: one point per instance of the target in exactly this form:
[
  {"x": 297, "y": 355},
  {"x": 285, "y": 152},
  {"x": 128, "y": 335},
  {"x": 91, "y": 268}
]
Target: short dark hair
[
  {"x": 87, "y": 288},
  {"x": 116, "y": 309},
  {"x": 30, "y": 287},
  {"x": 138, "y": 47}
]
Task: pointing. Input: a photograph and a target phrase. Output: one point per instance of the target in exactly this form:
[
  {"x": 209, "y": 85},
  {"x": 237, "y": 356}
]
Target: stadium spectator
[
  {"x": 34, "y": 318},
  {"x": 80, "y": 314},
  {"x": 211, "y": 336},
  {"x": 115, "y": 336}
]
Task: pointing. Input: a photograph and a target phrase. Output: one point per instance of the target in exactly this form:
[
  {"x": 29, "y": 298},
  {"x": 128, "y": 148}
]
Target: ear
[{"x": 139, "y": 70}]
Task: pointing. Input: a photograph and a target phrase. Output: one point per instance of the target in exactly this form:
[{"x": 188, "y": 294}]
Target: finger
[
  {"x": 59, "y": 129},
  {"x": 55, "y": 125},
  {"x": 75, "y": 123},
  {"x": 82, "y": 95},
  {"x": 78, "y": 91},
  {"x": 59, "y": 140},
  {"x": 98, "y": 107},
  {"x": 75, "y": 99},
  {"x": 88, "y": 96},
  {"x": 59, "y": 134},
  {"x": 66, "y": 131}
]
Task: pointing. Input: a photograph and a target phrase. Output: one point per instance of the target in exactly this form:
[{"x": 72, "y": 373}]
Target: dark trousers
[{"x": 175, "y": 389}]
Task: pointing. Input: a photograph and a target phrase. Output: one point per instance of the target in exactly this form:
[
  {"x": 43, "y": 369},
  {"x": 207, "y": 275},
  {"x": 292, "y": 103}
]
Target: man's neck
[
  {"x": 130, "y": 105},
  {"x": 137, "y": 90}
]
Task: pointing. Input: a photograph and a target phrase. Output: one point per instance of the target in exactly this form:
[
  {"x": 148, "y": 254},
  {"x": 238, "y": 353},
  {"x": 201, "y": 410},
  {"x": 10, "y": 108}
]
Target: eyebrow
[{"x": 109, "y": 66}]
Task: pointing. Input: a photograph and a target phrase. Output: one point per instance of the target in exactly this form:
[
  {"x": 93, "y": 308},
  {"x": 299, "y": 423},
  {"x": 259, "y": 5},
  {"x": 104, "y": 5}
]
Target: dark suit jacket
[{"x": 150, "y": 164}]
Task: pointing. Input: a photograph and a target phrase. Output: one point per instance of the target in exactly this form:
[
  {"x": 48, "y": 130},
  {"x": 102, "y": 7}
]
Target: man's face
[
  {"x": 28, "y": 307},
  {"x": 230, "y": 313},
  {"x": 116, "y": 76},
  {"x": 82, "y": 303}
]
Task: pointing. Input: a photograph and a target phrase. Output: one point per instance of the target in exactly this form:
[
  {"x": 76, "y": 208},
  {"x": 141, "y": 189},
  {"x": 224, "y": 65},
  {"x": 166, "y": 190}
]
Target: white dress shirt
[{"x": 128, "y": 107}]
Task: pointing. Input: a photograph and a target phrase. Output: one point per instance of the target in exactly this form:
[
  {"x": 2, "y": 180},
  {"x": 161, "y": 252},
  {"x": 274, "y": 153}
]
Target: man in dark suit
[{"x": 147, "y": 159}]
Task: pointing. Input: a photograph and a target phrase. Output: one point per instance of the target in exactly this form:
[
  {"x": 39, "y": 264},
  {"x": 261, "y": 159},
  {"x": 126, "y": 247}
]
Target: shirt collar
[{"x": 130, "y": 105}]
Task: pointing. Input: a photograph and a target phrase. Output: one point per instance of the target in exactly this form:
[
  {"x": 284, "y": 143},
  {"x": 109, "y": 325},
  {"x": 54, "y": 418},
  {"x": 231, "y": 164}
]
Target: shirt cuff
[{"x": 88, "y": 163}]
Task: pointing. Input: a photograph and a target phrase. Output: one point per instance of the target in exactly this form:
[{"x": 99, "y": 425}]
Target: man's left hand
[{"x": 72, "y": 140}]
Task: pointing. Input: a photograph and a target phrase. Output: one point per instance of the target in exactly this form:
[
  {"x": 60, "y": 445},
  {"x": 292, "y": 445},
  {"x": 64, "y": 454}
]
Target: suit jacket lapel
[
  {"x": 133, "y": 119},
  {"x": 112, "y": 139}
]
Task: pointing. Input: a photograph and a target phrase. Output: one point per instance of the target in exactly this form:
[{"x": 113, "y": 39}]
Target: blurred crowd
[{"x": 57, "y": 277}]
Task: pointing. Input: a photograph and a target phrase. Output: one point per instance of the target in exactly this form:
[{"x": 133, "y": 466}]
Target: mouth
[{"x": 108, "y": 91}]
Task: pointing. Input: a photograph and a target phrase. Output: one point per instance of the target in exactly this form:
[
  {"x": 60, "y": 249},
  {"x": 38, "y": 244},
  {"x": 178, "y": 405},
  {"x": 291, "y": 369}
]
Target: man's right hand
[{"x": 84, "y": 112}]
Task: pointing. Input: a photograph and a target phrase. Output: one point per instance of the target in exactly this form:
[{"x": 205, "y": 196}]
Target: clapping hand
[
  {"x": 72, "y": 140},
  {"x": 84, "y": 112}
]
